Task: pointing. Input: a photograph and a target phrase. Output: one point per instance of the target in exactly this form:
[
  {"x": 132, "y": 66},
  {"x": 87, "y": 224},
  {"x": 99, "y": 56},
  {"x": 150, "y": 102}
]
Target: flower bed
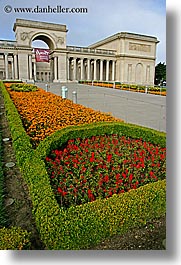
[
  {"x": 101, "y": 166},
  {"x": 79, "y": 227},
  {"x": 131, "y": 87},
  {"x": 43, "y": 113}
]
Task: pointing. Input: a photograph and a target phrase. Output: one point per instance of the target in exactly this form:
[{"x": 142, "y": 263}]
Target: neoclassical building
[{"x": 124, "y": 57}]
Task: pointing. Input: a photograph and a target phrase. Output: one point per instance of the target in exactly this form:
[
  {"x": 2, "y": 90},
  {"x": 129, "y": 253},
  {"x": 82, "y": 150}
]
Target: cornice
[
  {"x": 38, "y": 24},
  {"x": 125, "y": 35},
  {"x": 135, "y": 56}
]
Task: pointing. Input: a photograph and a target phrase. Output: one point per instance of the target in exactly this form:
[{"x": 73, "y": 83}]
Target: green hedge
[
  {"x": 14, "y": 238},
  {"x": 23, "y": 87},
  {"x": 12, "y": 81},
  {"x": 2, "y": 209},
  {"x": 85, "y": 225},
  {"x": 86, "y": 131}
]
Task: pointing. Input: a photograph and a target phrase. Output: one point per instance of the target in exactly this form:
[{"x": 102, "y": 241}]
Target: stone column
[
  {"x": 107, "y": 70},
  {"x": 95, "y": 69},
  {"x": 35, "y": 77},
  {"x": 113, "y": 70},
  {"x": 30, "y": 66},
  {"x": 15, "y": 66},
  {"x": 23, "y": 65},
  {"x": 62, "y": 67},
  {"x": 6, "y": 66},
  {"x": 55, "y": 69},
  {"x": 12, "y": 69},
  {"x": 122, "y": 79},
  {"x": 81, "y": 69},
  {"x": 75, "y": 69},
  {"x": 101, "y": 70},
  {"x": 88, "y": 69},
  {"x": 68, "y": 69}
]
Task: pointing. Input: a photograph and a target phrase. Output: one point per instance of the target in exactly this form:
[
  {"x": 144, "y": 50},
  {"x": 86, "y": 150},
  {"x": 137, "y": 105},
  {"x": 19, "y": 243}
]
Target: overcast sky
[{"x": 104, "y": 18}]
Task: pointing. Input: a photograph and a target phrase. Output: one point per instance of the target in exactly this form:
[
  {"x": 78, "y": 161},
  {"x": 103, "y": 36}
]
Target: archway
[
  {"x": 41, "y": 71},
  {"x": 53, "y": 35}
]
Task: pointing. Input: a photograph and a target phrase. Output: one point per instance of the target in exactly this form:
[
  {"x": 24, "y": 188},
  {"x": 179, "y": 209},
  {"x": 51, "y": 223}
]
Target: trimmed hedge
[
  {"x": 2, "y": 209},
  {"x": 23, "y": 87},
  {"x": 82, "y": 226},
  {"x": 88, "y": 130},
  {"x": 14, "y": 238}
]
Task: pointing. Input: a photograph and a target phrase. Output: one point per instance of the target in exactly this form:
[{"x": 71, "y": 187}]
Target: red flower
[
  {"x": 106, "y": 178},
  {"x": 92, "y": 157},
  {"x": 109, "y": 157},
  {"x": 59, "y": 190},
  {"x": 117, "y": 176},
  {"x": 90, "y": 195},
  {"x": 64, "y": 193},
  {"x": 151, "y": 173},
  {"x": 131, "y": 177},
  {"x": 124, "y": 175}
]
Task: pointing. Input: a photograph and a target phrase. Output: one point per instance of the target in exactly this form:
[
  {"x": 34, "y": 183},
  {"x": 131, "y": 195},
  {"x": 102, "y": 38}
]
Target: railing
[
  {"x": 90, "y": 50},
  {"x": 6, "y": 43}
]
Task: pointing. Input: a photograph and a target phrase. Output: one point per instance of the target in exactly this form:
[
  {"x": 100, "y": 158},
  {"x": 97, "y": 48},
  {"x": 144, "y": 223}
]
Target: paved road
[{"x": 137, "y": 108}]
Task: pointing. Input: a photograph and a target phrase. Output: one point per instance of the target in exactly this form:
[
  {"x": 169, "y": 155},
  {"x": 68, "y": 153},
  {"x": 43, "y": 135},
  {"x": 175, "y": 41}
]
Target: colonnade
[
  {"x": 60, "y": 68},
  {"x": 10, "y": 70},
  {"x": 90, "y": 69},
  {"x": 10, "y": 66}
]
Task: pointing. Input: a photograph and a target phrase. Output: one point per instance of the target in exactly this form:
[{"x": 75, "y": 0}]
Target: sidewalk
[{"x": 137, "y": 108}]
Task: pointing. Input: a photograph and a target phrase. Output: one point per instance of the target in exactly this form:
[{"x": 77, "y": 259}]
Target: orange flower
[{"x": 43, "y": 113}]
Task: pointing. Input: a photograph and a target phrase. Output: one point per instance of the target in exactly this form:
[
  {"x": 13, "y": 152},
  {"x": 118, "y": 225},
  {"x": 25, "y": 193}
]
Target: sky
[{"x": 103, "y": 19}]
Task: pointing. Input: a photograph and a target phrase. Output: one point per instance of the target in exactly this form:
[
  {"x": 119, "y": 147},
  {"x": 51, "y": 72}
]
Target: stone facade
[{"x": 123, "y": 57}]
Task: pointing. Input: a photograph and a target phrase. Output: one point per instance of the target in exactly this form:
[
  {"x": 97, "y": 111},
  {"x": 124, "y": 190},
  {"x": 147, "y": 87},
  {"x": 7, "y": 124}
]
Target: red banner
[{"x": 42, "y": 55}]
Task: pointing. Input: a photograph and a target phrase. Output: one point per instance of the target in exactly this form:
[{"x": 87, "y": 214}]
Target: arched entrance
[
  {"x": 41, "y": 70},
  {"x": 54, "y": 37}
]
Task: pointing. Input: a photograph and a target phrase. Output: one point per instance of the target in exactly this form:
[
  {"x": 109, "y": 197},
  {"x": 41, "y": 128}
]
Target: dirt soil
[
  {"x": 17, "y": 201},
  {"x": 19, "y": 209}
]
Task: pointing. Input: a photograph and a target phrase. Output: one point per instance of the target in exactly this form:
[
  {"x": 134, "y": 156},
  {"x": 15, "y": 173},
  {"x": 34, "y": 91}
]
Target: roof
[{"x": 127, "y": 35}]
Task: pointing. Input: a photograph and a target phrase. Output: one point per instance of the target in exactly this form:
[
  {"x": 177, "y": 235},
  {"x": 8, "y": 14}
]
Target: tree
[{"x": 160, "y": 73}]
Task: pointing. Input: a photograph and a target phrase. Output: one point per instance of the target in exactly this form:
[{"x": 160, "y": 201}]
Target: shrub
[
  {"x": 2, "y": 209},
  {"x": 14, "y": 238},
  {"x": 23, "y": 87}
]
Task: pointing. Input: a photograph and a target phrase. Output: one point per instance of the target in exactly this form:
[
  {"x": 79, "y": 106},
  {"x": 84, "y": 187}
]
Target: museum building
[{"x": 124, "y": 57}]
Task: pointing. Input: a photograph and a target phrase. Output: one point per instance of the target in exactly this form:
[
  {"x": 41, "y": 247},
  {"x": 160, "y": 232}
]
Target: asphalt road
[{"x": 137, "y": 108}]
